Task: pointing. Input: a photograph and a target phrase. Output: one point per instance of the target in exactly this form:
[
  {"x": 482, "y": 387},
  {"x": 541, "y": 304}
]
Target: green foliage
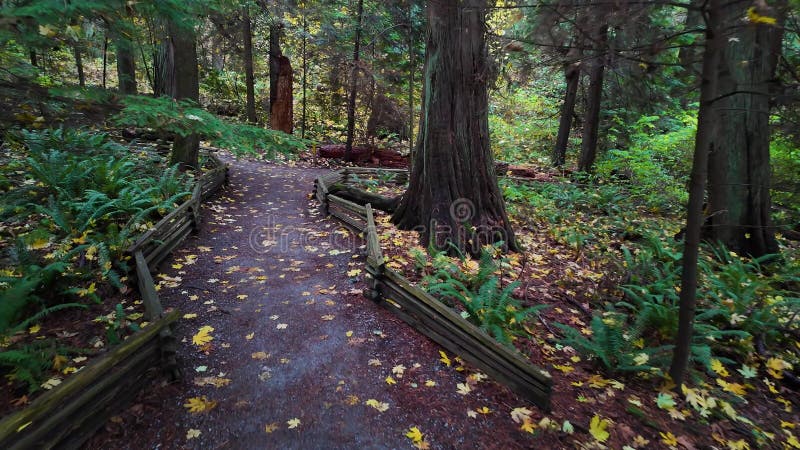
[
  {"x": 486, "y": 304},
  {"x": 116, "y": 323},
  {"x": 523, "y": 126},
  {"x": 185, "y": 117},
  {"x": 655, "y": 164},
  {"x": 614, "y": 344},
  {"x": 88, "y": 196}
]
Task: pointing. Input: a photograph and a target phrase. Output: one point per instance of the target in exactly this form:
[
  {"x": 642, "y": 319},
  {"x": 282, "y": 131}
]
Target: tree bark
[
  {"x": 105, "y": 59},
  {"x": 362, "y": 197},
  {"x": 282, "y": 109},
  {"x": 706, "y": 122},
  {"x": 572, "y": 74},
  {"x": 739, "y": 169},
  {"x": 453, "y": 196},
  {"x": 249, "y": 78},
  {"x": 185, "y": 85},
  {"x": 34, "y": 58},
  {"x": 591, "y": 122},
  {"x": 351, "y": 102}
]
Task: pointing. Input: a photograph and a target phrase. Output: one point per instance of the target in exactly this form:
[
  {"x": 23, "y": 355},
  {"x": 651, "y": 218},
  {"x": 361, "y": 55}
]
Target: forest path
[{"x": 295, "y": 342}]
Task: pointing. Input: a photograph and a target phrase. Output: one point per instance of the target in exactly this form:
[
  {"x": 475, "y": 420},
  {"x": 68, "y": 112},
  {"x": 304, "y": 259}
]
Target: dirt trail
[{"x": 297, "y": 341}]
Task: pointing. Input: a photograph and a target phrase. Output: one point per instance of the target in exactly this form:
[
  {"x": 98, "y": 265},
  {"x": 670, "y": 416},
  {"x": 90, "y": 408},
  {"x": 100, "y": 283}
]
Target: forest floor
[{"x": 295, "y": 356}]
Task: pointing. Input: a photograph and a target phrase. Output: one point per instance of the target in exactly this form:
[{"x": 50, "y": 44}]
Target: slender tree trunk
[
  {"x": 706, "y": 123},
  {"x": 305, "y": 75},
  {"x": 739, "y": 168},
  {"x": 105, "y": 59},
  {"x": 79, "y": 65},
  {"x": 572, "y": 74},
  {"x": 185, "y": 85},
  {"x": 34, "y": 58},
  {"x": 351, "y": 102},
  {"x": 275, "y": 54},
  {"x": 453, "y": 196},
  {"x": 591, "y": 122},
  {"x": 248, "y": 66}
]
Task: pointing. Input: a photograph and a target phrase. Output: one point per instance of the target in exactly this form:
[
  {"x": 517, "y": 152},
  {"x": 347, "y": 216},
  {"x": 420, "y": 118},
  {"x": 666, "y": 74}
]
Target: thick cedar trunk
[
  {"x": 281, "y": 110},
  {"x": 739, "y": 168},
  {"x": 572, "y": 74},
  {"x": 79, "y": 65},
  {"x": 249, "y": 78},
  {"x": 185, "y": 85},
  {"x": 351, "y": 102},
  {"x": 706, "y": 121},
  {"x": 594, "y": 99},
  {"x": 453, "y": 196}
]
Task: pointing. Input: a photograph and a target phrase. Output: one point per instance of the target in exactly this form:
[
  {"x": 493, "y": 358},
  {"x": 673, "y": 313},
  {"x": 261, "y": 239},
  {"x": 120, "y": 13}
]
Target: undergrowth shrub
[
  {"x": 76, "y": 202},
  {"x": 478, "y": 291},
  {"x": 744, "y": 306}
]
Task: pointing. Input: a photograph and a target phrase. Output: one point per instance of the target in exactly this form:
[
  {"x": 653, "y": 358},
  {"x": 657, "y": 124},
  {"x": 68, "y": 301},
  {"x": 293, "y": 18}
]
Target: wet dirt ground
[{"x": 299, "y": 359}]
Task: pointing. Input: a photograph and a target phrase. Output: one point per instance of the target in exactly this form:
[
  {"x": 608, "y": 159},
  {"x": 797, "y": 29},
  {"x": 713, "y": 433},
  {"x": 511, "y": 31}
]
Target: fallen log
[{"x": 361, "y": 197}]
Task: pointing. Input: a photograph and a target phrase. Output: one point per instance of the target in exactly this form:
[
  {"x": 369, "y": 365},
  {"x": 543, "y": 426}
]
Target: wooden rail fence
[
  {"x": 69, "y": 414},
  {"x": 422, "y": 311}
]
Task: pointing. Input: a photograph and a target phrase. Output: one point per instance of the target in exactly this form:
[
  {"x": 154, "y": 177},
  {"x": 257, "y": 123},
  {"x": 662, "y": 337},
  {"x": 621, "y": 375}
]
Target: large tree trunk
[
  {"x": 453, "y": 196},
  {"x": 739, "y": 168},
  {"x": 706, "y": 122},
  {"x": 594, "y": 99},
  {"x": 351, "y": 102},
  {"x": 305, "y": 75},
  {"x": 281, "y": 110},
  {"x": 185, "y": 85},
  {"x": 249, "y": 78},
  {"x": 572, "y": 74}
]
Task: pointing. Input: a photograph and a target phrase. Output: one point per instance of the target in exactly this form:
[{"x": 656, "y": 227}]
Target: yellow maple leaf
[
  {"x": 199, "y": 404},
  {"x": 444, "y": 358},
  {"x": 669, "y": 439},
  {"x": 415, "y": 435},
  {"x": 521, "y": 414},
  {"x": 203, "y": 337},
  {"x": 250, "y": 336},
  {"x": 597, "y": 427},
  {"x": 463, "y": 388},
  {"x": 484, "y": 410},
  {"x": 528, "y": 426},
  {"x": 776, "y": 366},
  {"x": 718, "y": 368},
  {"x": 430, "y": 383},
  {"x": 390, "y": 381},
  {"x": 380, "y": 406},
  {"x": 293, "y": 423},
  {"x": 565, "y": 369},
  {"x": 754, "y": 17},
  {"x": 271, "y": 427},
  {"x": 34, "y": 329},
  {"x": 734, "y": 388}
]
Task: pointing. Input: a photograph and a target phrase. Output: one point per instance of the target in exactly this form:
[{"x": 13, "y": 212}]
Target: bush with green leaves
[
  {"x": 185, "y": 117},
  {"x": 80, "y": 200},
  {"x": 485, "y": 302}
]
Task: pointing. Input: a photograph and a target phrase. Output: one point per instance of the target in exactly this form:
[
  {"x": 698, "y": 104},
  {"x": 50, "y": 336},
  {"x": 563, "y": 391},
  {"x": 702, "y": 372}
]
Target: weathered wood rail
[
  {"x": 425, "y": 313},
  {"x": 69, "y": 414}
]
